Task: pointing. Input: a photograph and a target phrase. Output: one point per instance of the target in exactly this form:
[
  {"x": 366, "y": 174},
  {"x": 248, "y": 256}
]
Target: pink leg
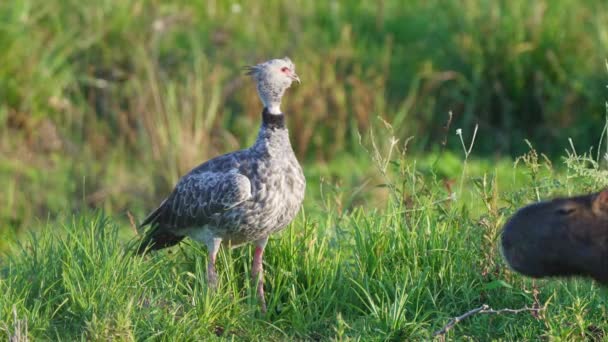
[
  {"x": 257, "y": 271},
  {"x": 213, "y": 247}
]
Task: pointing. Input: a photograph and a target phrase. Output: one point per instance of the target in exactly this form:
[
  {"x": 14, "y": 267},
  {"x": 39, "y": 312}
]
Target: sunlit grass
[{"x": 398, "y": 272}]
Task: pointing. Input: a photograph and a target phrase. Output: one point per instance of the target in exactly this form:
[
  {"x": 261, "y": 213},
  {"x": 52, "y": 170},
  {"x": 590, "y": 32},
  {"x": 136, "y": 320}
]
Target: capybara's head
[{"x": 561, "y": 237}]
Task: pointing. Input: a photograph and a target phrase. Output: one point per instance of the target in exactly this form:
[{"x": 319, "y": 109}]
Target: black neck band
[{"x": 273, "y": 121}]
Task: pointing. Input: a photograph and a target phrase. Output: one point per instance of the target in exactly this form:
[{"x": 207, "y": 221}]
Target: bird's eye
[
  {"x": 565, "y": 211},
  {"x": 284, "y": 69}
]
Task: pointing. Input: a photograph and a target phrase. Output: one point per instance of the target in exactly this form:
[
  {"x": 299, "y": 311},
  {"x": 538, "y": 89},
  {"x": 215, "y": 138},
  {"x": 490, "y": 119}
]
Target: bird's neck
[
  {"x": 271, "y": 98},
  {"x": 273, "y": 108},
  {"x": 273, "y": 138},
  {"x": 272, "y": 120}
]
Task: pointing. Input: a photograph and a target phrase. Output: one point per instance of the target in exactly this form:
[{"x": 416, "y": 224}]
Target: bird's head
[{"x": 272, "y": 78}]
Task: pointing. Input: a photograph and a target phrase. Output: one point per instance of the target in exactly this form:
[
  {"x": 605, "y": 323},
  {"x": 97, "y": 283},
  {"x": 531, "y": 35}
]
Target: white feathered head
[{"x": 272, "y": 78}]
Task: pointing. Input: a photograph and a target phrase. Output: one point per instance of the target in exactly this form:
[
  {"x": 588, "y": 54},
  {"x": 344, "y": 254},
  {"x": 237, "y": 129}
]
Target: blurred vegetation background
[{"x": 106, "y": 103}]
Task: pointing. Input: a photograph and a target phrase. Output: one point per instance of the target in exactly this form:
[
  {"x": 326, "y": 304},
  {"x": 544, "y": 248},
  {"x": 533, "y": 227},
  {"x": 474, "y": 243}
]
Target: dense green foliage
[{"x": 103, "y": 105}]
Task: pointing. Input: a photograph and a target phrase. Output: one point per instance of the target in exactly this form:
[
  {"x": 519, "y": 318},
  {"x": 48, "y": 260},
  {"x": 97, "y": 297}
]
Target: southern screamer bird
[{"x": 239, "y": 197}]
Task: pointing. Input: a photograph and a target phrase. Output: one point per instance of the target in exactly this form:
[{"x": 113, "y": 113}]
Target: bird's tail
[{"x": 157, "y": 238}]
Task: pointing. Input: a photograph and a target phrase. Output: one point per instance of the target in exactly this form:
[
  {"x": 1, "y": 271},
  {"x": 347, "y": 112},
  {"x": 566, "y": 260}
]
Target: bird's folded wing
[{"x": 199, "y": 197}]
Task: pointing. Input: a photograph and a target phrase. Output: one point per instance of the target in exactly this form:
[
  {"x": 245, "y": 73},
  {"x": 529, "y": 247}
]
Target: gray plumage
[{"x": 239, "y": 197}]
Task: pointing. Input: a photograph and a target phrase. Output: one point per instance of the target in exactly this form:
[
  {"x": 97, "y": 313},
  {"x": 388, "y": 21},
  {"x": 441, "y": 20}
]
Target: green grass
[
  {"x": 104, "y": 105},
  {"x": 399, "y": 272}
]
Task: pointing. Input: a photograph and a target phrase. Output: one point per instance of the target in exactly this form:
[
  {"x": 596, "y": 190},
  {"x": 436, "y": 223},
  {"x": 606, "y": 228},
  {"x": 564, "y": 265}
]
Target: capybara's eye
[{"x": 565, "y": 211}]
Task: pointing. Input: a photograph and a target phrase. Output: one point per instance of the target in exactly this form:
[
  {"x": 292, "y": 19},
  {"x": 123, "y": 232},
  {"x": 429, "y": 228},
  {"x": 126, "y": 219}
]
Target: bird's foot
[
  {"x": 261, "y": 298},
  {"x": 257, "y": 274},
  {"x": 214, "y": 246},
  {"x": 211, "y": 278}
]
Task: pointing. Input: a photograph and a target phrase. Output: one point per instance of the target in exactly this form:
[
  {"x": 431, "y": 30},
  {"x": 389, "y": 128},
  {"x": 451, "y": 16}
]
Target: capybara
[{"x": 560, "y": 237}]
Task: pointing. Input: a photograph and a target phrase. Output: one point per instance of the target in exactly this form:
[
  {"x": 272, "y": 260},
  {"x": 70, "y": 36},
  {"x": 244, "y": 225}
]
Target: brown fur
[{"x": 561, "y": 237}]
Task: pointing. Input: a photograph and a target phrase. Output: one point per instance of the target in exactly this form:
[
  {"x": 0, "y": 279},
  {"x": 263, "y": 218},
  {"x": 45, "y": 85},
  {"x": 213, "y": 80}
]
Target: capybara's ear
[{"x": 600, "y": 203}]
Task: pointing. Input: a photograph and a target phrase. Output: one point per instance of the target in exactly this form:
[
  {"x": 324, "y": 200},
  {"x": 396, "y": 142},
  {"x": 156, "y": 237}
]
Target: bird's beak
[{"x": 295, "y": 77}]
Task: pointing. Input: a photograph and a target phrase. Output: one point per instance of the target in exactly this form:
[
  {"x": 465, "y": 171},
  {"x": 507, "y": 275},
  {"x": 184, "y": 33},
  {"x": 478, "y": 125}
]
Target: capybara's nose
[
  {"x": 506, "y": 241},
  {"x": 506, "y": 238}
]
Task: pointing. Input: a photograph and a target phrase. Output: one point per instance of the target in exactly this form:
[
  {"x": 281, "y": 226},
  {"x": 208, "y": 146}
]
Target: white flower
[
  {"x": 459, "y": 131},
  {"x": 453, "y": 196}
]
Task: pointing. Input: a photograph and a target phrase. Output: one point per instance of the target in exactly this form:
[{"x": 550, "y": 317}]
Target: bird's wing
[{"x": 198, "y": 197}]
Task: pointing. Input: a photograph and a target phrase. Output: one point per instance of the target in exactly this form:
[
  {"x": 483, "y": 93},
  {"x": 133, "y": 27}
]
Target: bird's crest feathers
[{"x": 252, "y": 70}]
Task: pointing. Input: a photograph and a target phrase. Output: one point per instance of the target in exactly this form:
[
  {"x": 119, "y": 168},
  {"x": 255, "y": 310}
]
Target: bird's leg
[
  {"x": 257, "y": 270},
  {"x": 213, "y": 246}
]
